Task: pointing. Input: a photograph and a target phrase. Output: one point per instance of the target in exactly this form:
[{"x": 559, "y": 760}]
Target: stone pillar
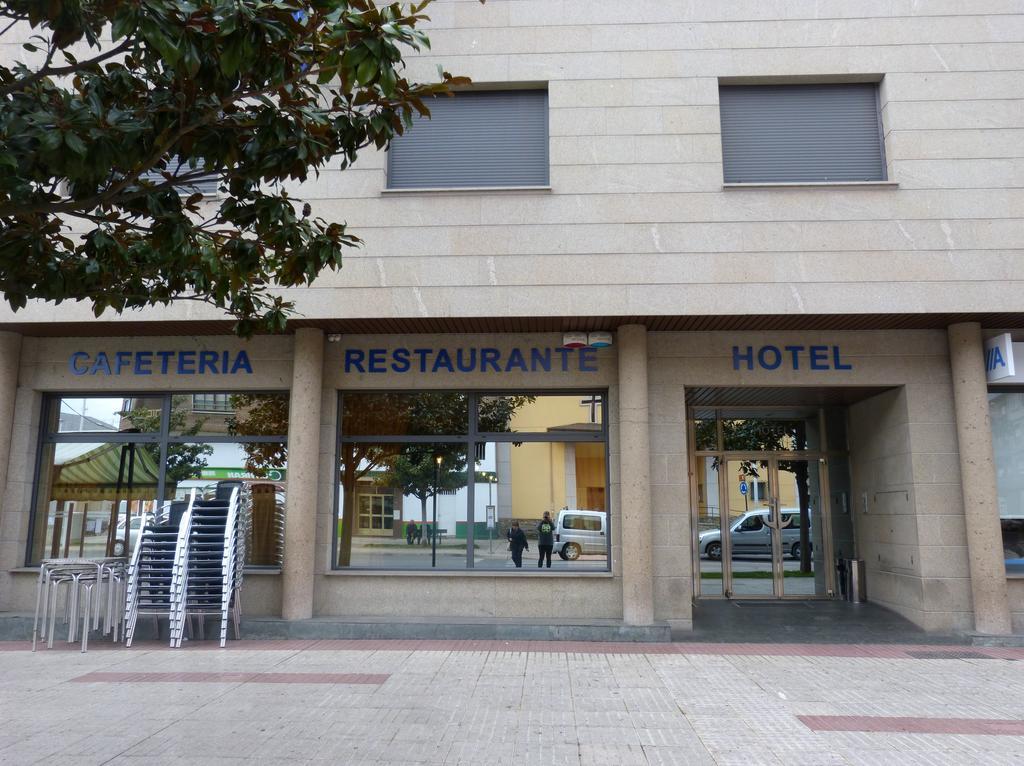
[
  {"x": 303, "y": 475},
  {"x": 978, "y": 480},
  {"x": 10, "y": 359},
  {"x": 635, "y": 477}
]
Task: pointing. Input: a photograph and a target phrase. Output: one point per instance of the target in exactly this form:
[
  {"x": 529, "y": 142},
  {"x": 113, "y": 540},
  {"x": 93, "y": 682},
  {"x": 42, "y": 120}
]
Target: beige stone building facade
[{"x": 773, "y": 330}]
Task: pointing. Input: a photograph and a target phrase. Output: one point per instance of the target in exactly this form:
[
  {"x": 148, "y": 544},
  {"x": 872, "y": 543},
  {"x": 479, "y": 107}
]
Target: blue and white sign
[
  {"x": 743, "y": 488},
  {"x": 999, "y": 358}
]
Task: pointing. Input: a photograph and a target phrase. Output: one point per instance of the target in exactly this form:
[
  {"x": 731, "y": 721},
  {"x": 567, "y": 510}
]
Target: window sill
[
  {"x": 524, "y": 572},
  {"x": 814, "y": 185},
  {"x": 467, "y": 190}
]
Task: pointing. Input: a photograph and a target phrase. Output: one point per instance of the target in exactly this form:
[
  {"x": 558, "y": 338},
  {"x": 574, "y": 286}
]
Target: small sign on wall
[{"x": 999, "y": 358}]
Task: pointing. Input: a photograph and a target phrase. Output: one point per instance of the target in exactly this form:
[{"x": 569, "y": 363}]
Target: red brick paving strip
[
  {"x": 886, "y": 724},
  {"x": 235, "y": 678}
]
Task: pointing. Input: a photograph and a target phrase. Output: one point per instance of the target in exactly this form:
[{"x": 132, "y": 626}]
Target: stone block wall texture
[
  {"x": 907, "y": 504},
  {"x": 637, "y": 221}
]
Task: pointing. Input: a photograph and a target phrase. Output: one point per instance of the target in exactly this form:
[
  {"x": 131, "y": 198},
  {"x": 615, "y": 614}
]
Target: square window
[{"x": 801, "y": 133}]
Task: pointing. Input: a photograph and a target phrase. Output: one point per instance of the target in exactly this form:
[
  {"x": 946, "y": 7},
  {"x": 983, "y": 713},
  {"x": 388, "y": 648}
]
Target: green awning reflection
[{"x": 96, "y": 471}]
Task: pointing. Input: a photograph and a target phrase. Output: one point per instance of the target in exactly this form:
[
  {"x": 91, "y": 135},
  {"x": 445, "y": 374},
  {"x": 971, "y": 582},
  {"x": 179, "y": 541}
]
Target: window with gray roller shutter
[
  {"x": 794, "y": 133},
  {"x": 477, "y": 138}
]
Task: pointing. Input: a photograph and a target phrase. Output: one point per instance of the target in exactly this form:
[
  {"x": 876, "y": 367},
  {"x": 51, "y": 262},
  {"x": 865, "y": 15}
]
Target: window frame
[
  {"x": 874, "y": 81},
  {"x": 498, "y": 88},
  {"x": 468, "y": 441},
  {"x": 162, "y": 437}
]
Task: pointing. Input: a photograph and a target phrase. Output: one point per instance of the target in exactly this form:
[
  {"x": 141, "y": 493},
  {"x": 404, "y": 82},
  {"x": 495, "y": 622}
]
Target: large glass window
[
  {"x": 447, "y": 474},
  {"x": 105, "y": 462},
  {"x": 1006, "y": 410}
]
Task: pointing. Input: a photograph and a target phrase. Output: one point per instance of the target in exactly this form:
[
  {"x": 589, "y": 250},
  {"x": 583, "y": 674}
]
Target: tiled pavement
[{"x": 483, "y": 703}]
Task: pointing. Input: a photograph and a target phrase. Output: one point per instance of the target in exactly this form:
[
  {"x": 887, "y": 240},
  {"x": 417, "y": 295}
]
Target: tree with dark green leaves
[
  {"x": 118, "y": 112},
  {"x": 416, "y": 471},
  {"x": 260, "y": 415}
]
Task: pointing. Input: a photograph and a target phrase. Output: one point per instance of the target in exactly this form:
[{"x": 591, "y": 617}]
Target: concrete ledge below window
[
  {"x": 467, "y": 190},
  {"x": 524, "y": 572},
  {"x": 813, "y": 185}
]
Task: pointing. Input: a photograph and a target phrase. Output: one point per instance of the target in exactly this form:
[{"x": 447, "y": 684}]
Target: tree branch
[
  {"x": 14, "y": 20},
  {"x": 47, "y": 71}
]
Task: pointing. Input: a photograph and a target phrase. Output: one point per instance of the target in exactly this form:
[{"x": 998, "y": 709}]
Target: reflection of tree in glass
[
  {"x": 412, "y": 471},
  {"x": 410, "y": 467},
  {"x": 762, "y": 435},
  {"x": 260, "y": 415},
  {"x": 184, "y": 461}
]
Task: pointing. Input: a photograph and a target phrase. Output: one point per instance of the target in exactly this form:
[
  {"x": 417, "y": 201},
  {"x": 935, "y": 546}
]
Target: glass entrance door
[
  {"x": 800, "y": 528},
  {"x": 769, "y": 543},
  {"x": 751, "y": 539}
]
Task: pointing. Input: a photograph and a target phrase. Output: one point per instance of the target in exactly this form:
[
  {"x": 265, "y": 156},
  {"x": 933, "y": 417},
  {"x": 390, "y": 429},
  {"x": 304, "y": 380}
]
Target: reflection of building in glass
[
  {"x": 1007, "y": 413},
  {"x": 548, "y": 476}
]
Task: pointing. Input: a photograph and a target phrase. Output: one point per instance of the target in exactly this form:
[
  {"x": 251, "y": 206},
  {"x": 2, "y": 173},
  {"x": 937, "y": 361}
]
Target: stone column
[
  {"x": 635, "y": 477},
  {"x": 978, "y": 480},
  {"x": 303, "y": 475},
  {"x": 10, "y": 359}
]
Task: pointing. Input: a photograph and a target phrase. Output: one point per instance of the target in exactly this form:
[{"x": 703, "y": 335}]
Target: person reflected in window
[
  {"x": 545, "y": 539},
  {"x": 516, "y": 543}
]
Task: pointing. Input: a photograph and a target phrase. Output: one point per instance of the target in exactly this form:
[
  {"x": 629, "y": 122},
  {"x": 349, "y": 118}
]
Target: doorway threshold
[{"x": 810, "y": 621}]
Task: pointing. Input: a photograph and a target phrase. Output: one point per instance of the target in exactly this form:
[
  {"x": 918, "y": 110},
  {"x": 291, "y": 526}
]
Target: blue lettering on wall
[
  {"x": 516, "y": 361},
  {"x": 540, "y": 357},
  {"x": 443, "y": 361},
  {"x": 400, "y": 361},
  {"x": 241, "y": 364},
  {"x": 770, "y": 357},
  {"x": 77, "y": 363},
  {"x": 159, "y": 362},
  {"x": 377, "y": 361}
]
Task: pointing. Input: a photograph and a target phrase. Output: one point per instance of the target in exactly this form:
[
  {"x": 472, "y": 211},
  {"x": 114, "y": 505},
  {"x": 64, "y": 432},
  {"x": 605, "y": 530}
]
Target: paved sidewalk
[{"x": 497, "y": 703}]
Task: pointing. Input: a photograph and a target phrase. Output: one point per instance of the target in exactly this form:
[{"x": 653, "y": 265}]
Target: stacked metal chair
[
  {"x": 157, "y": 571},
  {"x": 189, "y": 564},
  {"x": 215, "y": 560}
]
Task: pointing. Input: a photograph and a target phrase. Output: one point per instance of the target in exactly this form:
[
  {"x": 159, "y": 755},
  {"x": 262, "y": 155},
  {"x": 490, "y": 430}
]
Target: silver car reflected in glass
[
  {"x": 749, "y": 534},
  {"x": 578, "y": 532}
]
